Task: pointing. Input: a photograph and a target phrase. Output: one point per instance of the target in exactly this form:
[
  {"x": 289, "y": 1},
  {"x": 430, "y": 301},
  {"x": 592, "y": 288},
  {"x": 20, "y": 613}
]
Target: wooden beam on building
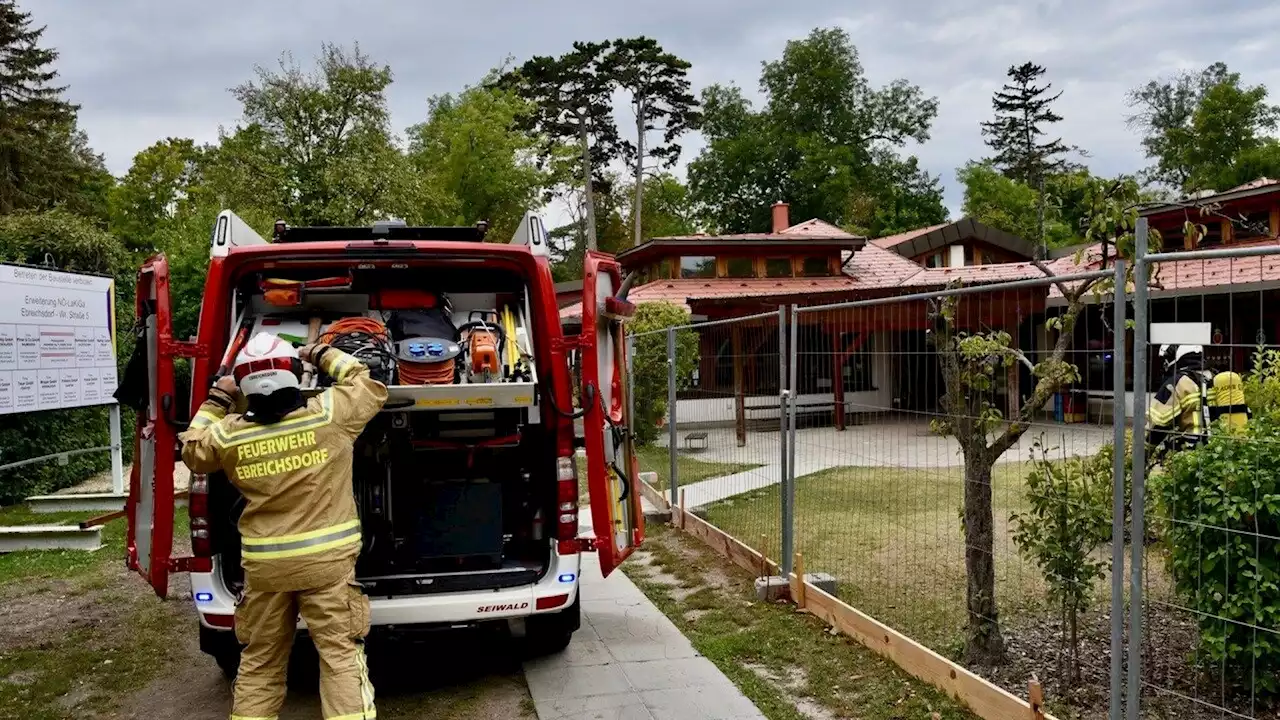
[
  {"x": 739, "y": 396},
  {"x": 1275, "y": 222}
]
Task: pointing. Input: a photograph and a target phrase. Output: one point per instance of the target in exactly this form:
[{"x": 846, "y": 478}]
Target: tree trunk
[
  {"x": 588, "y": 194},
  {"x": 638, "y": 209},
  {"x": 984, "y": 644},
  {"x": 1075, "y": 643}
]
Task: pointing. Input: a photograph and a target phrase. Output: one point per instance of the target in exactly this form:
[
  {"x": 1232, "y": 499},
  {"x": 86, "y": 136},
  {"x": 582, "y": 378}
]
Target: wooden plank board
[
  {"x": 984, "y": 698},
  {"x": 649, "y": 493},
  {"x": 725, "y": 544}
]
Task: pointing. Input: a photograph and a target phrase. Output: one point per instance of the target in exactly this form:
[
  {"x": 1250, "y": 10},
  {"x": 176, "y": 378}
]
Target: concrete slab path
[{"x": 629, "y": 662}]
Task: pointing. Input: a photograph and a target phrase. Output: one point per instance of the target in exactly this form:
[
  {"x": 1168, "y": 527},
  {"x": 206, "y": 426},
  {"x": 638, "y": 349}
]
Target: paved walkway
[{"x": 629, "y": 662}]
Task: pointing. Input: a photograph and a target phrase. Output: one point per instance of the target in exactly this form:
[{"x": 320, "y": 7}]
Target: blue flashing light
[
  {"x": 204, "y": 597},
  {"x": 567, "y": 578}
]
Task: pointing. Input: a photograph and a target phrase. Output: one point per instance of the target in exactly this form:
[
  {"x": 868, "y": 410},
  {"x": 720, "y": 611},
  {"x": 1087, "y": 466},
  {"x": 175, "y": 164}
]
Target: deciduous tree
[
  {"x": 318, "y": 146},
  {"x": 474, "y": 162},
  {"x": 1206, "y": 130},
  {"x": 818, "y": 142}
]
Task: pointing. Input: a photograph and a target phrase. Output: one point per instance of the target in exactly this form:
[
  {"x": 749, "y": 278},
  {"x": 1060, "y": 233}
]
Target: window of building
[
  {"x": 698, "y": 266},
  {"x": 1254, "y": 225},
  {"x": 777, "y": 267},
  {"x": 933, "y": 261},
  {"x": 814, "y": 267},
  {"x": 739, "y": 267},
  {"x": 857, "y": 366},
  {"x": 969, "y": 258}
]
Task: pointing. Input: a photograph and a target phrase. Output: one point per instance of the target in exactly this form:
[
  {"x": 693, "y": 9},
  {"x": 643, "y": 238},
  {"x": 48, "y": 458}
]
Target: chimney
[{"x": 781, "y": 217}]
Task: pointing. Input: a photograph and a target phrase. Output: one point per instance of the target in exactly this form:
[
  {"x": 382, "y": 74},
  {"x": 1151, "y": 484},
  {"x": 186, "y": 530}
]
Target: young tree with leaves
[
  {"x": 45, "y": 160},
  {"x": 1022, "y": 112},
  {"x": 570, "y": 97},
  {"x": 819, "y": 141},
  {"x": 658, "y": 84},
  {"x": 973, "y": 362}
]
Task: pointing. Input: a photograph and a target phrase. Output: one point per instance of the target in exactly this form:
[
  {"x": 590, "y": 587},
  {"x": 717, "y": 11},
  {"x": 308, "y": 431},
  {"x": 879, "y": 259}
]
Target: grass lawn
[
  {"x": 653, "y": 458},
  {"x": 77, "y": 631},
  {"x": 893, "y": 540},
  {"x": 784, "y": 661}
]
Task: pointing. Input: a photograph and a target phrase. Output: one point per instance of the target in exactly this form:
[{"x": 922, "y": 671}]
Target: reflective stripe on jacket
[
  {"x": 299, "y": 529},
  {"x": 1176, "y": 412}
]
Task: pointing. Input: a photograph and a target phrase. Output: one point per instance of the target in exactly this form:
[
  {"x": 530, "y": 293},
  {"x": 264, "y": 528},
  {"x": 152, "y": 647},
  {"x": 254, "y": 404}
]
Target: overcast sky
[{"x": 147, "y": 69}]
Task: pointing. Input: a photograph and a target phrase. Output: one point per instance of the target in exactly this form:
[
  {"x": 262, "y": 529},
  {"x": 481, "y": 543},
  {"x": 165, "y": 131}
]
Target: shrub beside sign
[{"x": 57, "y": 340}]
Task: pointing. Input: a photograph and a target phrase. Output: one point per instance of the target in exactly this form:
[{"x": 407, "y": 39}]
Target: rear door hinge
[
  {"x": 190, "y": 565},
  {"x": 588, "y": 544}
]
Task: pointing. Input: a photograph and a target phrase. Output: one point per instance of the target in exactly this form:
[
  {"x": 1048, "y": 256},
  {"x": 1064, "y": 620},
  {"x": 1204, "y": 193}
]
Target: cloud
[{"x": 144, "y": 70}]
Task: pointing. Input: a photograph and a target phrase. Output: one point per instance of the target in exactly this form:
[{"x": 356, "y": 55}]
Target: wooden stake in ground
[
  {"x": 797, "y": 593},
  {"x": 1035, "y": 695},
  {"x": 682, "y": 510}
]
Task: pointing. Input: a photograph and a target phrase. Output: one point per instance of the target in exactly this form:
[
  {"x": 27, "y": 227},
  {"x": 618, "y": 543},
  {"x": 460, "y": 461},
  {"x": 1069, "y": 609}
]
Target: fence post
[
  {"x": 1119, "y": 301},
  {"x": 784, "y": 392},
  {"x": 789, "y": 465},
  {"x": 117, "y": 449},
  {"x": 1138, "y": 502},
  {"x": 672, "y": 441}
]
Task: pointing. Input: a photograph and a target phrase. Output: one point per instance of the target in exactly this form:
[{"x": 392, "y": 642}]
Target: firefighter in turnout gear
[
  {"x": 290, "y": 457},
  {"x": 1176, "y": 419}
]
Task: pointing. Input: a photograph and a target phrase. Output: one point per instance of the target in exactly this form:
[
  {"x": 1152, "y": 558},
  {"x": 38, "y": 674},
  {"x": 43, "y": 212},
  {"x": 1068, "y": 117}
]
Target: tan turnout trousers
[
  {"x": 300, "y": 536},
  {"x": 338, "y": 618}
]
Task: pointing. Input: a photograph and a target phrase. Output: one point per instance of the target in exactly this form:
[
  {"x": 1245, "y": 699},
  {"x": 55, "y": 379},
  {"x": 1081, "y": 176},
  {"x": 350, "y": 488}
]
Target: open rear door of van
[
  {"x": 612, "y": 470},
  {"x": 150, "y": 506}
]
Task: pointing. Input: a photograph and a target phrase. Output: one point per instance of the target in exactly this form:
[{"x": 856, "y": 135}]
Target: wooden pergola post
[
  {"x": 837, "y": 376},
  {"x": 1013, "y": 395},
  {"x": 739, "y": 397}
]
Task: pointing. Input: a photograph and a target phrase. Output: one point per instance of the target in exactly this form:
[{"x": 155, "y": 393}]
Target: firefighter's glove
[{"x": 224, "y": 391}]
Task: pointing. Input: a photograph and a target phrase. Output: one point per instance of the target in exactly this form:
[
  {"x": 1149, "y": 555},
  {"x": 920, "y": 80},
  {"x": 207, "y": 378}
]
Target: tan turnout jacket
[{"x": 299, "y": 527}]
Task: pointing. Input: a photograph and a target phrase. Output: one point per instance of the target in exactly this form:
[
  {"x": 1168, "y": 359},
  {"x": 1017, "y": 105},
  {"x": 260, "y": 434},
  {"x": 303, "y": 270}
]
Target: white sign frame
[{"x": 57, "y": 340}]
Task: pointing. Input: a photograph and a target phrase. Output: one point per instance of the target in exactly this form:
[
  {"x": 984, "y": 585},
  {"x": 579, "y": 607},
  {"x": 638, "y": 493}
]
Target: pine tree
[
  {"x": 1022, "y": 110},
  {"x": 658, "y": 83},
  {"x": 572, "y": 101},
  {"x": 42, "y": 155}
]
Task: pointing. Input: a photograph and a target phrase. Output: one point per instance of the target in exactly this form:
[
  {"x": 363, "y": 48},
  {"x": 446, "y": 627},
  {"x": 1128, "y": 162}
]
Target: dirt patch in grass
[{"x": 784, "y": 661}]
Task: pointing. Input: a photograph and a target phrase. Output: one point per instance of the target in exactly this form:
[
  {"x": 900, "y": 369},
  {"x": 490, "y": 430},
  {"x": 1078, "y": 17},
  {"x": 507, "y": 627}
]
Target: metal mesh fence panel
[
  {"x": 724, "y": 446},
  {"x": 987, "y": 541},
  {"x": 1208, "y": 564}
]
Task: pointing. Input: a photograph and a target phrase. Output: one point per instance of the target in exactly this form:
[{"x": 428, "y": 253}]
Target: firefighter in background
[
  {"x": 291, "y": 459},
  {"x": 1175, "y": 419},
  {"x": 1191, "y": 399}
]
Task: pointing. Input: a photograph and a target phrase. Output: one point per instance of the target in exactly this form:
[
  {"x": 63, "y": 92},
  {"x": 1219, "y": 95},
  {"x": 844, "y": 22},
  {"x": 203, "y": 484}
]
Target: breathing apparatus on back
[{"x": 268, "y": 371}]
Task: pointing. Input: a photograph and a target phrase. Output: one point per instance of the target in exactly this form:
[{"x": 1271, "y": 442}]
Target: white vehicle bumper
[{"x": 556, "y": 591}]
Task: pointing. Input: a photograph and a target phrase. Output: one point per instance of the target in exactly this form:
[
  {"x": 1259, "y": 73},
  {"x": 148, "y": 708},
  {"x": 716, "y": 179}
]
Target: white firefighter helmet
[
  {"x": 266, "y": 364},
  {"x": 1173, "y": 353}
]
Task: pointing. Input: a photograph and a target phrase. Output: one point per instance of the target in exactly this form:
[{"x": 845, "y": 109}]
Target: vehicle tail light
[
  {"x": 567, "y": 504},
  {"x": 554, "y": 601},
  {"x": 198, "y": 511}
]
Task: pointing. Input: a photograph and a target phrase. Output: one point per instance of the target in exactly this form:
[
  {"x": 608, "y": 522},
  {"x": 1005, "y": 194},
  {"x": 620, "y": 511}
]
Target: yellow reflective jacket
[
  {"x": 1176, "y": 416},
  {"x": 299, "y": 529}
]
